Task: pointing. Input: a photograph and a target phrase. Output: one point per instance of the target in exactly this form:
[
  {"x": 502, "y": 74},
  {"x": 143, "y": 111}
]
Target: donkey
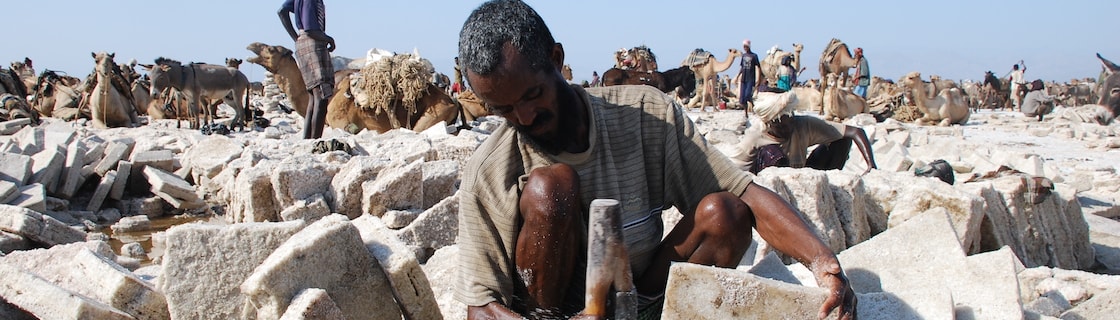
[
  {"x": 200, "y": 81},
  {"x": 1110, "y": 87}
]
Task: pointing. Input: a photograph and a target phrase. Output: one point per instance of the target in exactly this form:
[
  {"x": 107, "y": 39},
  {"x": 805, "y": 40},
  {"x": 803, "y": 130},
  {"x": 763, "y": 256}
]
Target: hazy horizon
[{"x": 954, "y": 39}]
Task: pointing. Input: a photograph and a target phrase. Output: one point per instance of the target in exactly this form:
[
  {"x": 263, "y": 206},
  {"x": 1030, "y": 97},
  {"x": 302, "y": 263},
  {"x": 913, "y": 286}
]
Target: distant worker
[
  {"x": 457, "y": 86},
  {"x": 749, "y": 74},
  {"x": 787, "y": 76},
  {"x": 313, "y": 48},
  {"x": 1017, "y": 81},
  {"x": 594, "y": 78},
  {"x": 784, "y": 139},
  {"x": 1037, "y": 103},
  {"x": 863, "y": 74}
]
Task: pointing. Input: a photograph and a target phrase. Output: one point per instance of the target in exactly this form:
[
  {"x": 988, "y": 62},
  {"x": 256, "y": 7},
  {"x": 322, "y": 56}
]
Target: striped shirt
[{"x": 643, "y": 152}]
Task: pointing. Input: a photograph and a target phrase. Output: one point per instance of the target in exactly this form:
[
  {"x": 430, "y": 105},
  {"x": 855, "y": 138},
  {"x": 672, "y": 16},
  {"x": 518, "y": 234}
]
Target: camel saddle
[
  {"x": 696, "y": 57},
  {"x": 392, "y": 83}
]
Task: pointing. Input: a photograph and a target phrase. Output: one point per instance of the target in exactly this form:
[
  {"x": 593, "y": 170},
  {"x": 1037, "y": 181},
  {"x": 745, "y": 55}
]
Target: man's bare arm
[
  {"x": 778, "y": 222},
  {"x": 859, "y": 137},
  {"x": 286, "y": 19}
]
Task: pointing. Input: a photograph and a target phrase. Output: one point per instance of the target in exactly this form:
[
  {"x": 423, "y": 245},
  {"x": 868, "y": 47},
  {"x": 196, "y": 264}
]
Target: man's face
[
  {"x": 528, "y": 100},
  {"x": 781, "y": 127}
]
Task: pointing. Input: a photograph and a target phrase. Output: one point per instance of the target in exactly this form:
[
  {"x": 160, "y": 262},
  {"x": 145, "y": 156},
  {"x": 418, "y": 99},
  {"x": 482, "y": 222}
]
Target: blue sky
[{"x": 954, "y": 39}]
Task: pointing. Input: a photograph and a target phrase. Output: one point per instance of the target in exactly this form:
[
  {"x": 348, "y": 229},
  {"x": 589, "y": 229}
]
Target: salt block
[
  {"x": 9, "y": 191},
  {"x": 1104, "y": 233},
  {"x": 987, "y": 287},
  {"x": 10, "y": 242},
  {"x": 771, "y": 267},
  {"x": 116, "y": 286},
  {"x": 252, "y": 198},
  {"x": 443, "y": 268},
  {"x": 15, "y": 168},
  {"x": 703, "y": 292},
  {"x": 441, "y": 179},
  {"x": 115, "y": 152},
  {"x": 46, "y": 166},
  {"x": 12, "y": 126},
  {"x": 905, "y": 195},
  {"x": 1101, "y": 306},
  {"x": 96, "y": 149},
  {"x": 309, "y": 210},
  {"x": 313, "y": 304},
  {"x": 328, "y": 254},
  {"x": 163, "y": 182},
  {"x": 209, "y": 156},
  {"x": 808, "y": 190},
  {"x": 102, "y": 191},
  {"x": 346, "y": 186},
  {"x": 37, "y": 227},
  {"x": 435, "y": 228},
  {"x": 203, "y": 265},
  {"x": 72, "y": 172},
  {"x": 132, "y": 224},
  {"x": 410, "y": 283},
  {"x": 299, "y": 177},
  {"x": 910, "y": 260},
  {"x": 161, "y": 159},
  {"x": 124, "y": 169},
  {"x": 45, "y": 300},
  {"x": 180, "y": 203},
  {"x": 394, "y": 188}
]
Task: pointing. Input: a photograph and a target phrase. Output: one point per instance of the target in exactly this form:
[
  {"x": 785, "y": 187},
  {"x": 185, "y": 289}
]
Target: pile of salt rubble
[{"x": 369, "y": 232}]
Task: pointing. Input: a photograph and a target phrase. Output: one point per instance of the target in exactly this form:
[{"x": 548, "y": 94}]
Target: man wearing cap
[
  {"x": 749, "y": 74},
  {"x": 782, "y": 139},
  {"x": 863, "y": 74}
]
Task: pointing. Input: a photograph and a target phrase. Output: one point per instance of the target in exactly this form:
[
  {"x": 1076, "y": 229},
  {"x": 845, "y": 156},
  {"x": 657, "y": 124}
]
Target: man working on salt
[
  {"x": 526, "y": 190},
  {"x": 782, "y": 139}
]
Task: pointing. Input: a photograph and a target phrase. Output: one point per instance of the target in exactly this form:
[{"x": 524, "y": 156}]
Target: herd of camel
[{"x": 116, "y": 95}]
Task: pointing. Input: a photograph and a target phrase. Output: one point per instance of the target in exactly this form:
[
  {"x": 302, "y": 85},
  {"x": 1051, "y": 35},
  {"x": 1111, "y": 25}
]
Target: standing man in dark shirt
[
  {"x": 749, "y": 74},
  {"x": 313, "y": 47}
]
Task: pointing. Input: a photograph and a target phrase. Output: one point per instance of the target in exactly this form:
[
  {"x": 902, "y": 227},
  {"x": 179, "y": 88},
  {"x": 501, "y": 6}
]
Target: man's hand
[
  {"x": 330, "y": 44},
  {"x": 840, "y": 294}
]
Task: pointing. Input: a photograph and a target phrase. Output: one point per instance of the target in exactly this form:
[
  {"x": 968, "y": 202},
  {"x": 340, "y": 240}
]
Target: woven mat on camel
[{"x": 391, "y": 83}]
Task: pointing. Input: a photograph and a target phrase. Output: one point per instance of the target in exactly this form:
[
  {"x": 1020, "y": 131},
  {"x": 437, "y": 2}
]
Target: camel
[
  {"x": 566, "y": 71},
  {"x": 774, "y": 58},
  {"x": 840, "y": 104},
  {"x": 947, "y": 107},
  {"x": 808, "y": 99},
  {"x": 432, "y": 106},
  {"x": 26, "y": 72},
  {"x": 639, "y": 58},
  {"x": 200, "y": 82},
  {"x": 109, "y": 107},
  {"x": 53, "y": 92},
  {"x": 381, "y": 99},
  {"x": 836, "y": 58},
  {"x": 707, "y": 72}
]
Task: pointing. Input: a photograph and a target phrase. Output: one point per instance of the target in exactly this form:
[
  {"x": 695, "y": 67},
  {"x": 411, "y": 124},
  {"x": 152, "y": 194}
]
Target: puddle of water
[{"x": 119, "y": 239}]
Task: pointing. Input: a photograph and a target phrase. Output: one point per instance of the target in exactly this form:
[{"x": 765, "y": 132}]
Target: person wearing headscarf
[
  {"x": 863, "y": 74},
  {"x": 787, "y": 76},
  {"x": 781, "y": 139},
  {"x": 1037, "y": 103}
]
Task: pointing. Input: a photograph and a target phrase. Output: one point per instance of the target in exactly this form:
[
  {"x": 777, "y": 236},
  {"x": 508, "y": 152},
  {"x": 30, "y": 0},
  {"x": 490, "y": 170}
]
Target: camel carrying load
[
  {"x": 774, "y": 58},
  {"x": 639, "y": 58},
  {"x": 696, "y": 58},
  {"x": 400, "y": 79}
]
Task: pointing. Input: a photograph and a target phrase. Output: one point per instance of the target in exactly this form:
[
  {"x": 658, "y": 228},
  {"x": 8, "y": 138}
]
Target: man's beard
[{"x": 567, "y": 120}]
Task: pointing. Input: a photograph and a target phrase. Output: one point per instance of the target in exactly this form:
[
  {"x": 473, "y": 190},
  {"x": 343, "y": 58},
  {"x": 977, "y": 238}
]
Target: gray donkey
[{"x": 198, "y": 81}]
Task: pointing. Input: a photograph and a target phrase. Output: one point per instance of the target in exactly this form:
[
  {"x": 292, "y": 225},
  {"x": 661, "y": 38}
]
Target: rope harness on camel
[{"x": 390, "y": 84}]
